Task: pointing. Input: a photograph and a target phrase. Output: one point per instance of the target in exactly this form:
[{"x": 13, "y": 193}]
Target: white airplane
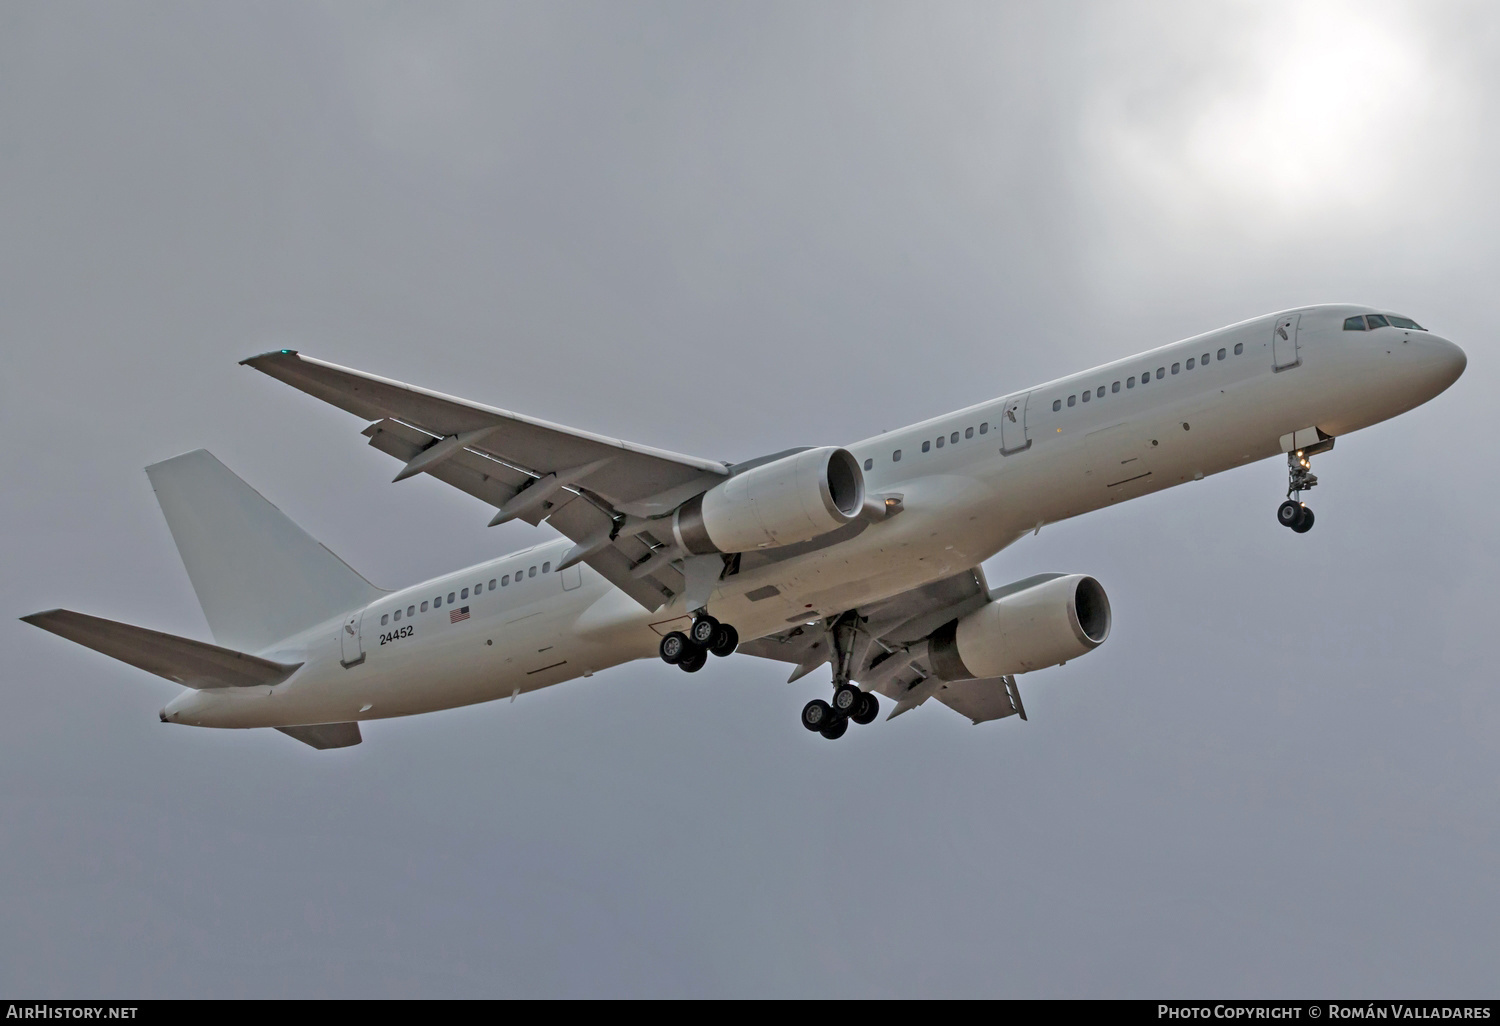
[{"x": 864, "y": 557}]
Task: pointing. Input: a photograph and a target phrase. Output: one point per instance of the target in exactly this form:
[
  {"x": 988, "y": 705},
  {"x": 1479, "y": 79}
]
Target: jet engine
[
  {"x": 793, "y": 499},
  {"x": 1026, "y": 629}
]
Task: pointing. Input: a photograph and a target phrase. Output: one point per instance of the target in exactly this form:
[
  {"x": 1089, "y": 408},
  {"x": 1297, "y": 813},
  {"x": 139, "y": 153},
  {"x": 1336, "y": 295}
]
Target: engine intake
[
  {"x": 1027, "y": 629},
  {"x": 793, "y": 499}
]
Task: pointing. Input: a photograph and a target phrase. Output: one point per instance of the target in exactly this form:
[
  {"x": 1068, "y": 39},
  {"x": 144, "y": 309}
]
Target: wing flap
[
  {"x": 193, "y": 664},
  {"x": 992, "y": 698}
]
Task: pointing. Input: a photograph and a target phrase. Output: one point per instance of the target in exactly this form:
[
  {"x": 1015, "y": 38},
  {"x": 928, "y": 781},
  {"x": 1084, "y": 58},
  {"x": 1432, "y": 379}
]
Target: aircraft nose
[{"x": 1447, "y": 360}]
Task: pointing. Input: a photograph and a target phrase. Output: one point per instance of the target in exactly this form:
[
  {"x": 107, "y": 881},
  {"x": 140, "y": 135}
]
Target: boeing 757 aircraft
[{"x": 864, "y": 557}]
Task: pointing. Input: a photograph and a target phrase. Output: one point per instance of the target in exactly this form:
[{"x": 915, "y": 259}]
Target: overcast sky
[{"x": 726, "y": 229}]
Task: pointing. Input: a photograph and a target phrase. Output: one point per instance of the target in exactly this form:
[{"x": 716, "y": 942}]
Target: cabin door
[
  {"x": 1013, "y": 434},
  {"x": 353, "y": 651},
  {"x": 1284, "y": 342}
]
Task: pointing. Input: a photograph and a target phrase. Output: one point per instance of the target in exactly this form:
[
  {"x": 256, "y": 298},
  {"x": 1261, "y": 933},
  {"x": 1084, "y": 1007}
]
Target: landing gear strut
[
  {"x": 1293, "y": 512},
  {"x": 691, "y": 650}
]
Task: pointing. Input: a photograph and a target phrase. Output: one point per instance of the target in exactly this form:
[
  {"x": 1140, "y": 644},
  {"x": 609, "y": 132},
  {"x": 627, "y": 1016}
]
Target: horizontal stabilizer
[
  {"x": 326, "y": 735},
  {"x": 193, "y": 664}
]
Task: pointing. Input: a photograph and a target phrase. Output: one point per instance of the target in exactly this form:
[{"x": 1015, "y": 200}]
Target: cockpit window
[
  {"x": 1354, "y": 323},
  {"x": 1377, "y": 321},
  {"x": 1406, "y": 322}
]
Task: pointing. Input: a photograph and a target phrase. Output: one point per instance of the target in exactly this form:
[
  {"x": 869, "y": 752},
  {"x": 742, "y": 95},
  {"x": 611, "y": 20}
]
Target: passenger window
[
  {"x": 926, "y": 446},
  {"x": 1072, "y": 400},
  {"x": 450, "y": 597},
  {"x": 1115, "y": 387},
  {"x": 1087, "y": 396},
  {"x": 1221, "y": 354},
  {"x": 492, "y": 584},
  {"x": 531, "y": 572},
  {"x": 968, "y": 432},
  {"x": 1239, "y": 347},
  {"x": 1175, "y": 368},
  {"x": 954, "y": 438},
  {"x": 1130, "y": 381},
  {"x": 1204, "y": 361},
  {"x": 869, "y": 464},
  {"x": 504, "y": 581},
  {"x": 546, "y": 568},
  {"x": 984, "y": 428},
  {"x": 940, "y": 441},
  {"x": 1056, "y": 405},
  {"x": 896, "y": 456},
  {"x": 1377, "y": 321},
  {"x": 437, "y": 603},
  {"x": 465, "y": 593},
  {"x": 411, "y": 611},
  {"x": 385, "y": 619},
  {"x": 1146, "y": 378},
  {"x": 398, "y": 616},
  {"x": 1161, "y": 372},
  {"x": 1100, "y": 393},
  {"x": 1190, "y": 363},
  {"x": 424, "y": 607}
]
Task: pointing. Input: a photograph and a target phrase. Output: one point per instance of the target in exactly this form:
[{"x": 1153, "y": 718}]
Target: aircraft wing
[
  {"x": 877, "y": 637},
  {"x": 598, "y": 491}
]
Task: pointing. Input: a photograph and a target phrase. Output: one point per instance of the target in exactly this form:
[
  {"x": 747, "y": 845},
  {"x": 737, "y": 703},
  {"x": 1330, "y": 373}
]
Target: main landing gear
[
  {"x": 831, "y": 719},
  {"x": 691, "y": 650},
  {"x": 1293, "y": 512}
]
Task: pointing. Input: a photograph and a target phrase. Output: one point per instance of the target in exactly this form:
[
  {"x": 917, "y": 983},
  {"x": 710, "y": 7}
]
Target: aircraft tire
[
  {"x": 835, "y": 730},
  {"x": 817, "y": 714},
  {"x": 726, "y": 640},
  {"x": 673, "y": 648},
  {"x": 1305, "y": 523},
  {"x": 1289, "y": 514},
  {"x": 694, "y": 660},
  {"x": 869, "y": 708},
  {"x": 846, "y": 699},
  {"x": 702, "y": 631}
]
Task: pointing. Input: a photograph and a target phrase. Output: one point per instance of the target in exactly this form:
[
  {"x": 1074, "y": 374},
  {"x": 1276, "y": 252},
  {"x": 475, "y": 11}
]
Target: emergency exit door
[
  {"x": 1013, "y": 434},
  {"x": 1284, "y": 343},
  {"x": 353, "y": 650}
]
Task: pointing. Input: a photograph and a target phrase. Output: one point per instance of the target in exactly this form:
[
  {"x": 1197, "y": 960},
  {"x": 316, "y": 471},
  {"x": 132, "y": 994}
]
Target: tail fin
[{"x": 258, "y": 576}]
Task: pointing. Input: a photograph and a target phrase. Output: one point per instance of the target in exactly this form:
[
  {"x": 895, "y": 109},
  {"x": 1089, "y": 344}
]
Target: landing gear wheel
[
  {"x": 702, "y": 630},
  {"x": 726, "y": 640},
  {"x": 1289, "y": 514},
  {"x": 846, "y": 699},
  {"x": 817, "y": 714},
  {"x": 694, "y": 660},
  {"x": 674, "y": 647},
  {"x": 1304, "y": 525},
  {"x": 869, "y": 708},
  {"x": 836, "y": 728}
]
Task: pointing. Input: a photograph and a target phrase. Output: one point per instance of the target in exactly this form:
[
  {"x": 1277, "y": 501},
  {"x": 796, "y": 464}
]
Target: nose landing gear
[{"x": 1293, "y": 512}]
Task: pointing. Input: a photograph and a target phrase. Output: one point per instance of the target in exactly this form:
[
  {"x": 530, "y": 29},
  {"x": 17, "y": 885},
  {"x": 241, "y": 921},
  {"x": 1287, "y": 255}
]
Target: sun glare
[{"x": 1319, "y": 108}]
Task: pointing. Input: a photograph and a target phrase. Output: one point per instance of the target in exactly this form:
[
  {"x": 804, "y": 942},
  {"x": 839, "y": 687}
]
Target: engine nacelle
[
  {"x": 793, "y": 499},
  {"x": 1034, "y": 627}
]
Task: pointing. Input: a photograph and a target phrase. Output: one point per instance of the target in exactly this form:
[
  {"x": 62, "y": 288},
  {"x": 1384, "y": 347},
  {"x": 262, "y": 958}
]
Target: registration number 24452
[{"x": 396, "y": 635}]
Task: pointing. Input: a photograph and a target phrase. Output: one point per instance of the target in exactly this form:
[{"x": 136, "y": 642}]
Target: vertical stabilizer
[{"x": 258, "y": 576}]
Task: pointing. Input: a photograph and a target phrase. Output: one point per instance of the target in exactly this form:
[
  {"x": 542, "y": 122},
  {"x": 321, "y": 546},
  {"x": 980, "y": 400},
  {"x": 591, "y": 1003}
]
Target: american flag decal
[{"x": 455, "y": 615}]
